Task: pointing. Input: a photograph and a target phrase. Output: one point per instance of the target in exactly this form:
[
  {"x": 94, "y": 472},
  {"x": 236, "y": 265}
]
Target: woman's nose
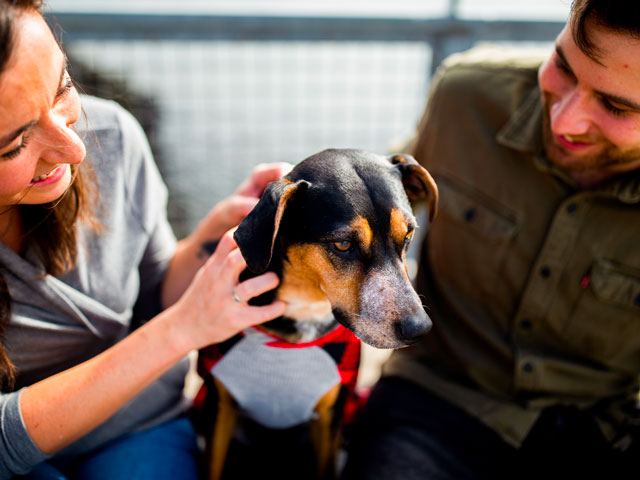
[{"x": 59, "y": 141}]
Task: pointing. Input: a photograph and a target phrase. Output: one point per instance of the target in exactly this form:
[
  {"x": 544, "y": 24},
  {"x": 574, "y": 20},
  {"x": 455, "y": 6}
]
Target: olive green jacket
[{"x": 533, "y": 285}]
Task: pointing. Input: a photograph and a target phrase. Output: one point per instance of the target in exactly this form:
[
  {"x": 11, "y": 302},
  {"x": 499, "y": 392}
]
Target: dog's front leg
[
  {"x": 324, "y": 438},
  {"x": 226, "y": 418}
]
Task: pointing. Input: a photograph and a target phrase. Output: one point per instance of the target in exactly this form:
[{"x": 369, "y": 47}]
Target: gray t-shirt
[{"x": 58, "y": 322}]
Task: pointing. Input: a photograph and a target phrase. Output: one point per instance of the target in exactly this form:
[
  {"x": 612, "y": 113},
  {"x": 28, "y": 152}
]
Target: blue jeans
[{"x": 165, "y": 452}]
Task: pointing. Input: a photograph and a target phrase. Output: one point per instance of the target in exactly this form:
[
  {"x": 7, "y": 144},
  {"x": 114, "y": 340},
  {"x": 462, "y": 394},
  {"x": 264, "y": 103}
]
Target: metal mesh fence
[{"x": 214, "y": 109}]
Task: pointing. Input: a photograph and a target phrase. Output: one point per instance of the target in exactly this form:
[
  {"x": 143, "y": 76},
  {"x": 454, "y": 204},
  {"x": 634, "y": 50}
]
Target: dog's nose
[{"x": 410, "y": 329}]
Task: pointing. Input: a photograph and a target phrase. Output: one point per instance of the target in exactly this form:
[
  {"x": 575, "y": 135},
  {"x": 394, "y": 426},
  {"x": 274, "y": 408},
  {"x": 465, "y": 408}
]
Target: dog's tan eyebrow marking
[
  {"x": 363, "y": 229},
  {"x": 398, "y": 225}
]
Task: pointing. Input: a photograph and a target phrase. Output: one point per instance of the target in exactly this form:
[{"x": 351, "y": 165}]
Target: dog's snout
[{"x": 413, "y": 327}]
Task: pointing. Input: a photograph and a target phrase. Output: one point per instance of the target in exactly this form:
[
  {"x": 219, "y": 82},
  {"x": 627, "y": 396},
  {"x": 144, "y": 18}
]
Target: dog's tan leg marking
[
  {"x": 222, "y": 432},
  {"x": 325, "y": 442}
]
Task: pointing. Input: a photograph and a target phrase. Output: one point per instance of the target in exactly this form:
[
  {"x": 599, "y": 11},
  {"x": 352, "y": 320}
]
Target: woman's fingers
[
  {"x": 262, "y": 175},
  {"x": 256, "y": 286},
  {"x": 256, "y": 315},
  {"x": 252, "y": 315},
  {"x": 217, "y": 302},
  {"x": 225, "y": 246},
  {"x": 226, "y": 263}
]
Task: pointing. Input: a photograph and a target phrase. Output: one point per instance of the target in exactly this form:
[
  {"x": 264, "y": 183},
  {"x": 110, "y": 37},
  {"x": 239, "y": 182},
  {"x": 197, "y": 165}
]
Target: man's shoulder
[
  {"x": 490, "y": 66},
  {"x": 492, "y": 58},
  {"x": 487, "y": 76}
]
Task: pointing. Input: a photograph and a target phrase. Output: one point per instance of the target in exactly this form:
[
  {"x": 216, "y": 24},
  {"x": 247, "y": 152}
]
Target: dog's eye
[
  {"x": 409, "y": 236},
  {"x": 342, "y": 246}
]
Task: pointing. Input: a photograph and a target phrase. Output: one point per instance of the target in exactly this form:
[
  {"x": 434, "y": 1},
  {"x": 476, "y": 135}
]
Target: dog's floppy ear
[
  {"x": 417, "y": 181},
  {"x": 257, "y": 233}
]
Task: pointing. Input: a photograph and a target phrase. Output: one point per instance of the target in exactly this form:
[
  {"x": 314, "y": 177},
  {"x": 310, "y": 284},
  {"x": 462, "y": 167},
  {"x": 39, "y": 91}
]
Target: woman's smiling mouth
[{"x": 51, "y": 177}]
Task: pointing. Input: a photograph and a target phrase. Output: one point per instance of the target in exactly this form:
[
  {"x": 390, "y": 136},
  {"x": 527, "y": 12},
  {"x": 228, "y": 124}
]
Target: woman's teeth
[{"x": 40, "y": 178}]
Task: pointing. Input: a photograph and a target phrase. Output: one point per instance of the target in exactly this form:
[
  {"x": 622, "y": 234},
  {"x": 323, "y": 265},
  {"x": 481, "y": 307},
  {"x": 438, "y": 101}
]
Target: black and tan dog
[{"x": 336, "y": 230}]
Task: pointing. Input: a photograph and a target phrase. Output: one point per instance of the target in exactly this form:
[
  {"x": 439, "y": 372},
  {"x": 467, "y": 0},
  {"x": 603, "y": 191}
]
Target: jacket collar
[{"x": 523, "y": 132}]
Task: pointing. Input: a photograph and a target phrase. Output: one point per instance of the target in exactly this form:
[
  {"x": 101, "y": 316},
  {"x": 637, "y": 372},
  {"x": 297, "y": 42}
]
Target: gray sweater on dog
[{"x": 58, "y": 322}]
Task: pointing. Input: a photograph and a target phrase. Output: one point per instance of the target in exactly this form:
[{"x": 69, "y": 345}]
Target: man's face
[{"x": 592, "y": 106}]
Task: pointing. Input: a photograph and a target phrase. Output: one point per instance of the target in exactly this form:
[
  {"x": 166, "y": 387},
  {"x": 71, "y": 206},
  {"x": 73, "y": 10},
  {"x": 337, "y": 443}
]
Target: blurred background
[{"x": 220, "y": 86}]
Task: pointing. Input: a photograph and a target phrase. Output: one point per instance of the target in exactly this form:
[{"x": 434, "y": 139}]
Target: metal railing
[
  {"x": 226, "y": 92},
  {"x": 444, "y": 35}
]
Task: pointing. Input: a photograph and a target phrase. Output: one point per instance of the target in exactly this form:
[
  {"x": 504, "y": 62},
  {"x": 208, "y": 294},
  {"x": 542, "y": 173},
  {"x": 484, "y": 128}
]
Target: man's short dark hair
[{"x": 622, "y": 16}]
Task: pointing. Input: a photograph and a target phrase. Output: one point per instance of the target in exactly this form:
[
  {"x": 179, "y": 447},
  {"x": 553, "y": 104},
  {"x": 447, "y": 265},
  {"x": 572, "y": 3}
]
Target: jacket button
[
  {"x": 525, "y": 324},
  {"x": 527, "y": 367},
  {"x": 470, "y": 214},
  {"x": 545, "y": 272},
  {"x": 572, "y": 207}
]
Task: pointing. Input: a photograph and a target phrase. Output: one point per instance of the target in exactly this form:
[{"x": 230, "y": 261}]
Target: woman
[{"x": 85, "y": 393}]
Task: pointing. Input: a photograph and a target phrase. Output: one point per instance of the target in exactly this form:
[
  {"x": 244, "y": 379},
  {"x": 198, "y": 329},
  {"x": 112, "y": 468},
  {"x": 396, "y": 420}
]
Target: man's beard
[{"x": 608, "y": 154}]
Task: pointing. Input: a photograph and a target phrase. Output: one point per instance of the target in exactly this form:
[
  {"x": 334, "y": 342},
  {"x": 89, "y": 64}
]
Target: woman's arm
[{"x": 66, "y": 406}]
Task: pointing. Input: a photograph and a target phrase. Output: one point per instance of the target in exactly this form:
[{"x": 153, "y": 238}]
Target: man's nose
[{"x": 570, "y": 115}]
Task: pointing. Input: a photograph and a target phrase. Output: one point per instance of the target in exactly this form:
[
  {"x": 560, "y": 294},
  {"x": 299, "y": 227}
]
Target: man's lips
[{"x": 568, "y": 144}]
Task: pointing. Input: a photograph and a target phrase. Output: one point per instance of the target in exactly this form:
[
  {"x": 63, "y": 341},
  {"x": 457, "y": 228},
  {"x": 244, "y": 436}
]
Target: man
[{"x": 530, "y": 273}]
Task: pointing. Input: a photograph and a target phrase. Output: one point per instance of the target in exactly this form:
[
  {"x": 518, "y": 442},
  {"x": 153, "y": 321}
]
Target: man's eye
[
  {"x": 560, "y": 65},
  {"x": 343, "y": 246},
  {"x": 611, "y": 108}
]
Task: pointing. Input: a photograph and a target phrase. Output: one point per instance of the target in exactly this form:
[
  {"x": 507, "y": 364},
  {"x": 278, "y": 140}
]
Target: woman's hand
[
  {"x": 55, "y": 410},
  {"x": 193, "y": 250},
  {"x": 214, "y": 307}
]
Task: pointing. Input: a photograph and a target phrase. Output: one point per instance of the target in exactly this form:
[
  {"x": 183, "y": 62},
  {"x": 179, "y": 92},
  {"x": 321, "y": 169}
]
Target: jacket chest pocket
[
  {"x": 605, "y": 324},
  {"x": 470, "y": 244}
]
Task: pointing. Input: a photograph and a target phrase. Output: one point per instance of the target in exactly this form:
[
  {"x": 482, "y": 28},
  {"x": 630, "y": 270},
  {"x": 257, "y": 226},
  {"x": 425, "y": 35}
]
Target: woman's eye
[
  {"x": 343, "y": 246},
  {"x": 16, "y": 151},
  {"x": 67, "y": 85}
]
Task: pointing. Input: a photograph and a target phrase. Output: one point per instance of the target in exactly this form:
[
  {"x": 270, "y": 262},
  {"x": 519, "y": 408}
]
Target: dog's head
[{"x": 336, "y": 229}]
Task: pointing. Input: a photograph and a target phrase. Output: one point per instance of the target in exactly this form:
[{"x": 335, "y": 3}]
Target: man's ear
[
  {"x": 256, "y": 234},
  {"x": 417, "y": 182}
]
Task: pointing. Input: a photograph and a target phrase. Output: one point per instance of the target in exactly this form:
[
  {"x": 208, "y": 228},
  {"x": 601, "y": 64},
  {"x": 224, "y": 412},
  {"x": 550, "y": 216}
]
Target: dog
[{"x": 336, "y": 231}]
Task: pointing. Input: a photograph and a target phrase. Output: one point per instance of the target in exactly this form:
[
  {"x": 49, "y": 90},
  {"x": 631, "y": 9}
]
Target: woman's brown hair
[{"x": 50, "y": 228}]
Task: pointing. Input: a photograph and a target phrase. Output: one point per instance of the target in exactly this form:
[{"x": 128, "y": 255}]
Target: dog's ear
[
  {"x": 257, "y": 233},
  {"x": 417, "y": 182}
]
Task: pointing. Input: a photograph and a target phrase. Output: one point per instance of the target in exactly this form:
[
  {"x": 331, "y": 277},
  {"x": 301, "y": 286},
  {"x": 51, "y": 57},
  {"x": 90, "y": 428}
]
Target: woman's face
[{"x": 38, "y": 106}]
